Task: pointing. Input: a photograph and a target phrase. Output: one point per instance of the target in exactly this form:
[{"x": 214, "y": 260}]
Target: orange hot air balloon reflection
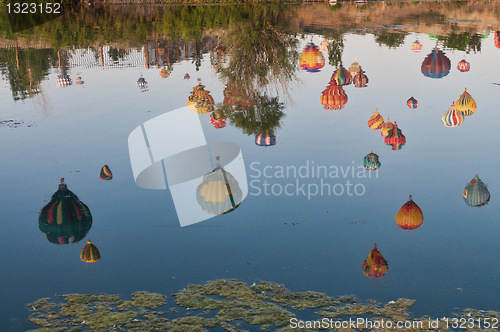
[
  {"x": 375, "y": 265},
  {"x": 409, "y": 216}
]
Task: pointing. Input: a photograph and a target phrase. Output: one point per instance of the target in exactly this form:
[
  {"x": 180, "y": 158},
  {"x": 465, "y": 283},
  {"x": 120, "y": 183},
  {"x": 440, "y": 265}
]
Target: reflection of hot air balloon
[
  {"x": 436, "y": 64},
  {"x": 333, "y": 97},
  {"x": 376, "y": 121},
  {"x": 375, "y": 264},
  {"x": 265, "y": 139},
  {"x": 217, "y": 119},
  {"x": 475, "y": 193},
  {"x": 79, "y": 81},
  {"x": 142, "y": 84},
  {"x": 354, "y": 68},
  {"x": 463, "y": 66},
  {"x": 164, "y": 73},
  {"x": 371, "y": 161},
  {"x": 395, "y": 138},
  {"x": 452, "y": 117},
  {"x": 466, "y": 104},
  {"x": 412, "y": 102},
  {"x": 311, "y": 59},
  {"x": 342, "y": 76},
  {"x": 65, "y": 219},
  {"x": 497, "y": 39},
  {"x": 384, "y": 130},
  {"x": 416, "y": 46},
  {"x": 90, "y": 253},
  {"x": 200, "y": 100},
  {"x": 409, "y": 216},
  {"x": 324, "y": 46},
  {"x": 63, "y": 81},
  {"x": 186, "y": 76},
  {"x": 105, "y": 173},
  {"x": 219, "y": 193},
  {"x": 360, "y": 80}
]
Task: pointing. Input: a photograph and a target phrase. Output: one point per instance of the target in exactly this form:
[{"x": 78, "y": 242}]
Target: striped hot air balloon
[
  {"x": 452, "y": 117},
  {"x": 219, "y": 193},
  {"x": 376, "y": 121},
  {"x": 164, "y": 73},
  {"x": 371, "y": 162},
  {"x": 265, "y": 139},
  {"x": 333, "y": 97},
  {"x": 409, "y": 216},
  {"x": 476, "y": 193},
  {"x": 65, "y": 219},
  {"x": 384, "y": 130},
  {"x": 436, "y": 64},
  {"x": 412, "y": 102},
  {"x": 463, "y": 66},
  {"x": 360, "y": 80},
  {"x": 375, "y": 265},
  {"x": 466, "y": 104},
  {"x": 354, "y": 68},
  {"x": 90, "y": 253},
  {"x": 106, "y": 173},
  {"x": 311, "y": 59},
  {"x": 63, "y": 81},
  {"x": 395, "y": 138},
  {"x": 342, "y": 76}
]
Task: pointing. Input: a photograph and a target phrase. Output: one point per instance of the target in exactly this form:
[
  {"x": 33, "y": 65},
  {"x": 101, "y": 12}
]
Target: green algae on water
[{"x": 231, "y": 305}]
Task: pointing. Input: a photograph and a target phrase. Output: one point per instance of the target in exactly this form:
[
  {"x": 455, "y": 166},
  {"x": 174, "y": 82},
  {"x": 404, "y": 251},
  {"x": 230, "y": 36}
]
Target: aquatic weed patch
[{"x": 230, "y": 305}]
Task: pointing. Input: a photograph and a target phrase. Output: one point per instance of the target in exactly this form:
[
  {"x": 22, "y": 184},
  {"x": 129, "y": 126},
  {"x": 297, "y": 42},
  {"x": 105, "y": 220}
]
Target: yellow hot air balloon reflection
[
  {"x": 219, "y": 193},
  {"x": 410, "y": 216}
]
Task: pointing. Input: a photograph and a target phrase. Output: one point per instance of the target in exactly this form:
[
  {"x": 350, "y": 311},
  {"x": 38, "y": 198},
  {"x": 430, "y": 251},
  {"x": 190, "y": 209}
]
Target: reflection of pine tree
[
  {"x": 256, "y": 55},
  {"x": 335, "y": 49},
  {"x": 262, "y": 114},
  {"x": 392, "y": 40}
]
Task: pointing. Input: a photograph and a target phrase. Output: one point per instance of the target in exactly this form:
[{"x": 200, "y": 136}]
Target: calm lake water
[{"x": 310, "y": 228}]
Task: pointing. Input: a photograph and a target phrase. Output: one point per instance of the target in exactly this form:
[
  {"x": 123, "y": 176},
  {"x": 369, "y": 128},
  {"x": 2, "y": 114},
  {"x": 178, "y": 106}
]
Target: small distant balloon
[
  {"x": 409, "y": 216},
  {"x": 142, "y": 84},
  {"x": 371, "y": 161},
  {"x": 106, "y": 173},
  {"x": 416, "y": 46},
  {"x": 90, "y": 253},
  {"x": 375, "y": 265},
  {"x": 463, "y": 66},
  {"x": 476, "y": 193},
  {"x": 186, "y": 77},
  {"x": 412, "y": 103},
  {"x": 376, "y": 121}
]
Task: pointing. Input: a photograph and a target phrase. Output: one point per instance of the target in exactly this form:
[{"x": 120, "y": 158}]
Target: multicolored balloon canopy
[
  {"x": 371, "y": 162},
  {"x": 63, "y": 81},
  {"x": 476, "y": 193},
  {"x": 219, "y": 193},
  {"x": 463, "y": 66},
  {"x": 376, "y": 121},
  {"x": 375, "y": 265},
  {"x": 65, "y": 219},
  {"x": 412, "y": 102},
  {"x": 360, "y": 79},
  {"x": 436, "y": 64},
  {"x": 311, "y": 59},
  {"x": 106, "y": 173},
  {"x": 409, "y": 216},
  {"x": 186, "y": 76},
  {"x": 342, "y": 76},
  {"x": 200, "y": 100},
  {"x": 164, "y": 73},
  {"x": 395, "y": 138},
  {"x": 466, "y": 104},
  {"x": 265, "y": 139},
  {"x": 354, "y": 68},
  {"x": 416, "y": 46},
  {"x": 334, "y": 96},
  {"x": 90, "y": 253},
  {"x": 217, "y": 119},
  {"x": 384, "y": 130},
  {"x": 452, "y": 117}
]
